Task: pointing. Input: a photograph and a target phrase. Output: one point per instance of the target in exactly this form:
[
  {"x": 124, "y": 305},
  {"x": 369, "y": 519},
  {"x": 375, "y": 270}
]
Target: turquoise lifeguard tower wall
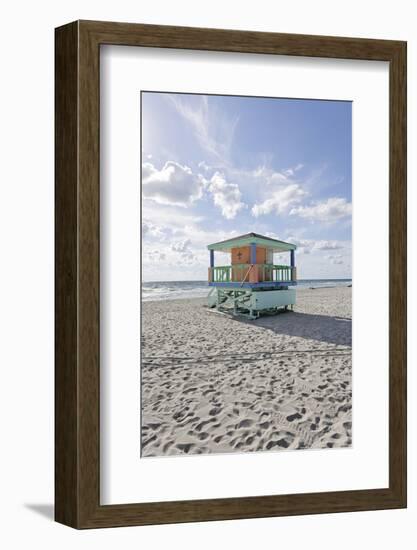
[{"x": 252, "y": 284}]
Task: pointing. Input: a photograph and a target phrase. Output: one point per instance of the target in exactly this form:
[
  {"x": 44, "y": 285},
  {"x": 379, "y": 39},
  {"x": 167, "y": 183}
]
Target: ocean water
[{"x": 174, "y": 290}]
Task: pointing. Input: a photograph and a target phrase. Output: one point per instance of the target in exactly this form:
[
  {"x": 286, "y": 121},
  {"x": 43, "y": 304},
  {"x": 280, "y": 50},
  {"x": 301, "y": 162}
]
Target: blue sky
[{"x": 218, "y": 166}]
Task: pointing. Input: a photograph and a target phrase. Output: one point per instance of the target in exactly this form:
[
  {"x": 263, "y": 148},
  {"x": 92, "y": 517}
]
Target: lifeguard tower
[{"x": 252, "y": 284}]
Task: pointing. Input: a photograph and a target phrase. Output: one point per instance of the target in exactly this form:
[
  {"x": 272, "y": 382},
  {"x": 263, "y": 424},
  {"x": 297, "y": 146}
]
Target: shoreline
[{"x": 298, "y": 289}]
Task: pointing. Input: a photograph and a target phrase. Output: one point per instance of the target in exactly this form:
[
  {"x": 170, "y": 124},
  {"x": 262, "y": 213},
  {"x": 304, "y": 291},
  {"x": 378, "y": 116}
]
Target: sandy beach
[{"x": 215, "y": 384}]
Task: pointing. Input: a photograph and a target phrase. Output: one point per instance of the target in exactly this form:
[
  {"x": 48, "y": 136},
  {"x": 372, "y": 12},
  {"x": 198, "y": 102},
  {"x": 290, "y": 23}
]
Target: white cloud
[
  {"x": 263, "y": 175},
  {"x": 181, "y": 246},
  {"x": 204, "y": 166},
  {"x": 169, "y": 218},
  {"x": 330, "y": 211},
  {"x": 304, "y": 246},
  {"x": 307, "y": 246},
  {"x": 280, "y": 200},
  {"x": 174, "y": 184},
  {"x": 335, "y": 259},
  {"x": 277, "y": 178},
  {"x": 328, "y": 245},
  {"x": 226, "y": 196},
  {"x": 150, "y": 229},
  {"x": 274, "y": 177},
  {"x": 188, "y": 258},
  {"x": 155, "y": 256},
  {"x": 147, "y": 170}
]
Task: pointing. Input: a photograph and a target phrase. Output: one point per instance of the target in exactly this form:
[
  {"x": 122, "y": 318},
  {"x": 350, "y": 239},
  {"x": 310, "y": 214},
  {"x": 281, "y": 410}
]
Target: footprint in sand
[
  {"x": 185, "y": 447},
  {"x": 280, "y": 443},
  {"x": 295, "y": 416},
  {"x": 244, "y": 423}
]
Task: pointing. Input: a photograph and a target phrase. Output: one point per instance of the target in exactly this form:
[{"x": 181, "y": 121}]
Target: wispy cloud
[
  {"x": 330, "y": 211},
  {"x": 335, "y": 259},
  {"x": 328, "y": 245},
  {"x": 307, "y": 246},
  {"x": 291, "y": 171},
  {"x": 270, "y": 176},
  {"x": 213, "y": 130}
]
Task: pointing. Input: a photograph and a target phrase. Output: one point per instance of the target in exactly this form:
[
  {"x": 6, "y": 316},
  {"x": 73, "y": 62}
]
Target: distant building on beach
[{"x": 252, "y": 284}]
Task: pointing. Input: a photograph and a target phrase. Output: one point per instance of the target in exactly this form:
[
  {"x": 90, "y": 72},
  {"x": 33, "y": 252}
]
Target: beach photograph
[{"x": 246, "y": 274}]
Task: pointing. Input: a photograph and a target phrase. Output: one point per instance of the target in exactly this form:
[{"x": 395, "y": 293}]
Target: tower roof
[{"x": 252, "y": 238}]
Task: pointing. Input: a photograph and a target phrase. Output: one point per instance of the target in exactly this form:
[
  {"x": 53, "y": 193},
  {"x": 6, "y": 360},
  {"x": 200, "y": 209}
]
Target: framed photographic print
[{"x": 230, "y": 274}]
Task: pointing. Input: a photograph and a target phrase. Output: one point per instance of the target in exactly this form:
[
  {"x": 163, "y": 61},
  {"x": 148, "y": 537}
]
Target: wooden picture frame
[{"x": 77, "y": 370}]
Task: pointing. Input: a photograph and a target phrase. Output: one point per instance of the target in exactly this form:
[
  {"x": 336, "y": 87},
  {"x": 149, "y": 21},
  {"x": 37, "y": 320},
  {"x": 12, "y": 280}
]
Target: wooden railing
[
  {"x": 221, "y": 274},
  {"x": 252, "y": 273}
]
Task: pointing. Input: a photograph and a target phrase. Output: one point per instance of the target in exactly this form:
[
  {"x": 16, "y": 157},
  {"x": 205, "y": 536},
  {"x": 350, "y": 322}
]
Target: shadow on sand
[{"x": 323, "y": 328}]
